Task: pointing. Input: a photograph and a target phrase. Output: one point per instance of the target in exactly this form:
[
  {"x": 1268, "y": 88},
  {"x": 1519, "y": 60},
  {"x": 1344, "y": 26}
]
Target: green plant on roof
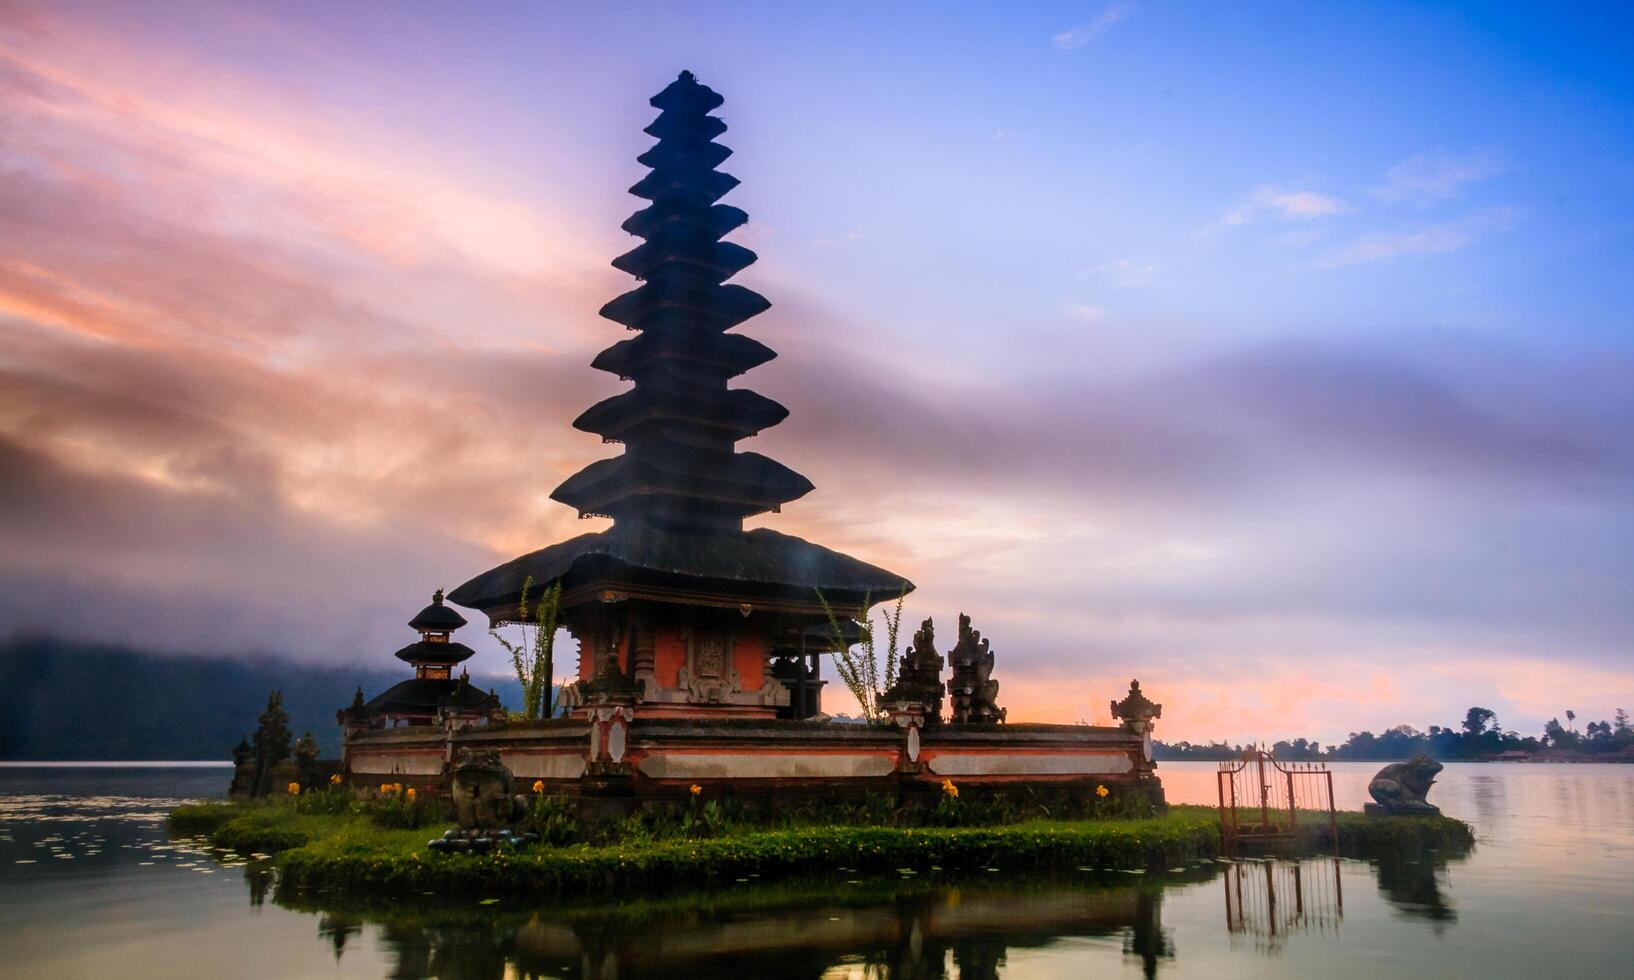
[
  {"x": 533, "y": 657},
  {"x": 862, "y": 671}
]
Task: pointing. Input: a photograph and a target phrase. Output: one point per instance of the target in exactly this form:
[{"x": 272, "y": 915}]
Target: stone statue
[
  {"x": 972, "y": 689},
  {"x": 1400, "y": 789},
  {"x": 485, "y": 804},
  {"x": 484, "y": 792},
  {"x": 919, "y": 676}
]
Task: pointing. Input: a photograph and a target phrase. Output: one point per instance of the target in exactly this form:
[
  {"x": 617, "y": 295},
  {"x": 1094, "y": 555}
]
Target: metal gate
[{"x": 1262, "y": 799}]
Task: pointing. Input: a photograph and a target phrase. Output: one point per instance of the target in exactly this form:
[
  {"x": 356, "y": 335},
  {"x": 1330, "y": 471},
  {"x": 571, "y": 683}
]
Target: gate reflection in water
[{"x": 1271, "y": 900}]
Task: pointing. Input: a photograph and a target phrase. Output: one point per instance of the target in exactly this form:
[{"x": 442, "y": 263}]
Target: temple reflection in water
[
  {"x": 906, "y": 929},
  {"x": 922, "y": 933}
]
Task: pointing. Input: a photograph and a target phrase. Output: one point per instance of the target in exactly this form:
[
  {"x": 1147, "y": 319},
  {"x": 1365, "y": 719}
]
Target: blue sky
[{"x": 1278, "y": 353}]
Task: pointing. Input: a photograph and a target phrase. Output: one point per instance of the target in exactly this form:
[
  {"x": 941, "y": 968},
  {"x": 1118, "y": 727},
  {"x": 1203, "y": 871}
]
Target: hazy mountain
[{"x": 66, "y": 700}]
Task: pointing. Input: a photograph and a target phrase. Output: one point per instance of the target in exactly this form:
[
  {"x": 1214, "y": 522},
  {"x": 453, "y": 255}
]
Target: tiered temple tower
[
  {"x": 433, "y": 692},
  {"x": 680, "y": 422},
  {"x": 677, "y": 607}
]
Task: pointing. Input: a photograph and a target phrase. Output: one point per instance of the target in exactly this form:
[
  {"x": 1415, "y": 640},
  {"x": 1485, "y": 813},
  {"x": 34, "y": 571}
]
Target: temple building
[
  {"x": 676, "y": 601},
  {"x": 433, "y": 695},
  {"x": 700, "y": 642}
]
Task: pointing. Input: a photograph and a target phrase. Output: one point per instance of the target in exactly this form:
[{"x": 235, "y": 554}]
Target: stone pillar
[
  {"x": 909, "y": 716},
  {"x": 1138, "y": 714}
]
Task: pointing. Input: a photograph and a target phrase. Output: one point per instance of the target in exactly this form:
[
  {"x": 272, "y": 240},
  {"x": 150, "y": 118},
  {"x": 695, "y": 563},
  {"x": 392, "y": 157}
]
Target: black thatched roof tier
[
  {"x": 738, "y": 411},
  {"x": 714, "y": 221},
  {"x": 437, "y": 617},
  {"x": 743, "y": 566},
  {"x": 684, "y": 183},
  {"x": 422, "y": 696},
  {"x": 684, "y": 127},
  {"x": 750, "y": 481},
  {"x": 685, "y": 304},
  {"x": 709, "y": 263},
  {"x": 691, "y": 153},
  {"x": 728, "y": 352},
  {"x": 436, "y": 654}
]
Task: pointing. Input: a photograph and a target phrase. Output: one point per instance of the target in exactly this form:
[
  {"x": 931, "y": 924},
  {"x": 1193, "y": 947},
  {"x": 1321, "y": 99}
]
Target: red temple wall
[
  {"x": 587, "y": 642},
  {"x": 669, "y": 656},
  {"x": 749, "y": 657}
]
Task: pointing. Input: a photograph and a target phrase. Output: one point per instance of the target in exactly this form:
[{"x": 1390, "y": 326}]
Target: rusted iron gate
[
  {"x": 1261, "y": 798},
  {"x": 1271, "y": 900}
]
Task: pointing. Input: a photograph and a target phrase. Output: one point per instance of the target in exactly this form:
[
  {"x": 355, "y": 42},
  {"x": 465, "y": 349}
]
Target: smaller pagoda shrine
[{"x": 433, "y": 694}]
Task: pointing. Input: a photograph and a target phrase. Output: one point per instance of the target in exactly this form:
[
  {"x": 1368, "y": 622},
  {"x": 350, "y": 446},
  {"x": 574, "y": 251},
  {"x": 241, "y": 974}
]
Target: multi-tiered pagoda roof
[
  {"x": 680, "y": 422},
  {"x": 680, "y": 490}
]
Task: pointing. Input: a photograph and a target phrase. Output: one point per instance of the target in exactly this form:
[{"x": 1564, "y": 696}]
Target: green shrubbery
[
  {"x": 379, "y": 843},
  {"x": 391, "y": 862}
]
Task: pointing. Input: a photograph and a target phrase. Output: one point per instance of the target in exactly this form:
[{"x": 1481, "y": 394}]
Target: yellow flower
[
  {"x": 538, "y": 785},
  {"x": 396, "y": 787},
  {"x": 411, "y": 794},
  {"x": 294, "y": 789},
  {"x": 950, "y": 789},
  {"x": 1101, "y": 791},
  {"x": 696, "y": 789},
  {"x": 335, "y": 779}
]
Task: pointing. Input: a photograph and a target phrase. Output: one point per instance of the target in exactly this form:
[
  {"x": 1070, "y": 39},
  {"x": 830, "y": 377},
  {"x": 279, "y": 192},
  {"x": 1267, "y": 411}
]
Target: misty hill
[{"x": 66, "y": 700}]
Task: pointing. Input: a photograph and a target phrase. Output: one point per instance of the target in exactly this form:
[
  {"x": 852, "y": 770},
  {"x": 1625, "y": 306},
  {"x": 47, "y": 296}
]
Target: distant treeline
[
  {"x": 1479, "y": 736},
  {"x": 64, "y": 700}
]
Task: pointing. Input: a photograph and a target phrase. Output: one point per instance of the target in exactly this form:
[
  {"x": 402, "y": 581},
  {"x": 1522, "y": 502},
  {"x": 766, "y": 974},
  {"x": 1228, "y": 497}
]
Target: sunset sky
[{"x": 1278, "y": 354}]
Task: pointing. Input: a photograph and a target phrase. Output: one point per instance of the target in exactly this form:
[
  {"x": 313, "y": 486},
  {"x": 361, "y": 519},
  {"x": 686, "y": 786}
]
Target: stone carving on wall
[{"x": 972, "y": 689}]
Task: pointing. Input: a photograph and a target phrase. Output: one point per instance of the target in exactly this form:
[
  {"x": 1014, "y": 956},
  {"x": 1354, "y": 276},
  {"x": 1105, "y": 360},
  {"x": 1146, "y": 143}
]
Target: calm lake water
[{"x": 90, "y": 886}]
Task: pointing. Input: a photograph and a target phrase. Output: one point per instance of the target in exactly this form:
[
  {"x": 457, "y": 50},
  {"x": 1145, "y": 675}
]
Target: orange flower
[
  {"x": 385, "y": 789},
  {"x": 951, "y": 790},
  {"x": 335, "y": 779},
  {"x": 294, "y": 789},
  {"x": 696, "y": 789},
  {"x": 1102, "y": 791},
  {"x": 411, "y": 794},
  {"x": 538, "y": 785}
]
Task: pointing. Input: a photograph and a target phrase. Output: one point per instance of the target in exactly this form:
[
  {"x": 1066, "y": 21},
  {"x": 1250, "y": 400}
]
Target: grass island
[{"x": 380, "y": 846}]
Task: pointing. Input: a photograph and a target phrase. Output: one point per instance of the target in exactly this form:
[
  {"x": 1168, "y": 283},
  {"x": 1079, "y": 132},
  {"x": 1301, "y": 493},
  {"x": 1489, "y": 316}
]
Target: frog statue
[
  {"x": 1400, "y": 788},
  {"x": 485, "y": 803}
]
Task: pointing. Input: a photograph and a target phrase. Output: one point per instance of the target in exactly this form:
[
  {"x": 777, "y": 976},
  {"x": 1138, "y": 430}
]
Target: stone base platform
[{"x": 617, "y": 754}]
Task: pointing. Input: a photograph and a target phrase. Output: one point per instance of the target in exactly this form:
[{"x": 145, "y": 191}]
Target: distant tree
[
  {"x": 306, "y": 759},
  {"x": 1478, "y": 720},
  {"x": 271, "y": 743},
  {"x": 1571, "y": 716},
  {"x": 1621, "y": 721},
  {"x": 1557, "y": 735}
]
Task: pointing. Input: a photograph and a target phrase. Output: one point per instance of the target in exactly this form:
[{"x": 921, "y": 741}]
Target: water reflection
[
  {"x": 90, "y": 885},
  {"x": 1413, "y": 886},
  {"x": 909, "y": 930},
  {"x": 912, "y": 932},
  {"x": 1271, "y": 900}
]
